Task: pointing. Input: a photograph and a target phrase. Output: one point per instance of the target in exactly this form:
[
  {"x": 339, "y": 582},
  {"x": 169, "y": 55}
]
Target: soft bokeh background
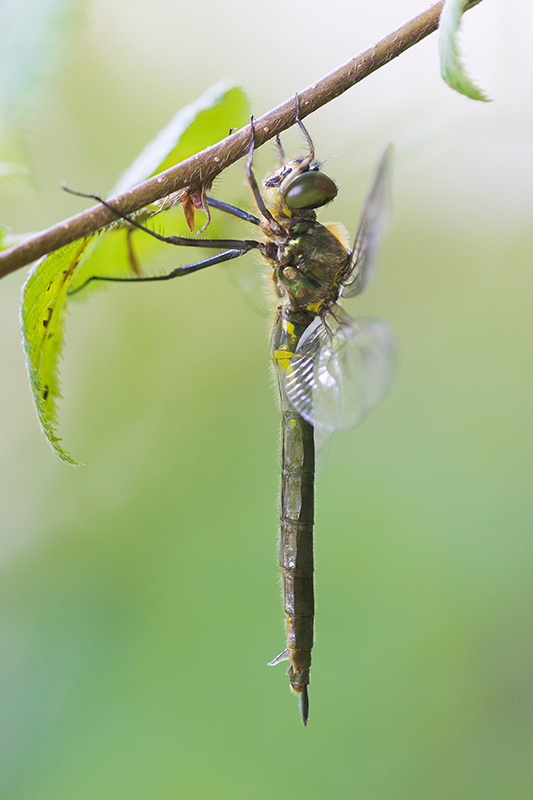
[{"x": 140, "y": 598}]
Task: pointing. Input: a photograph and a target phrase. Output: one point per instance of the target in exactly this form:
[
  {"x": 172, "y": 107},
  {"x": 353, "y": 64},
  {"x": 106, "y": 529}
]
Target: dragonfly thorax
[
  {"x": 306, "y": 257},
  {"x": 308, "y": 264}
]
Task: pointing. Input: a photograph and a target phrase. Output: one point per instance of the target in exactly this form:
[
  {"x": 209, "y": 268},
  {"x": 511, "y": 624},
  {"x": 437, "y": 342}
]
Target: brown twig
[{"x": 204, "y": 166}]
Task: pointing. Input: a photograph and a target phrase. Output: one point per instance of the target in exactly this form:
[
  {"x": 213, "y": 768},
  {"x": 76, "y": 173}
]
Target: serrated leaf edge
[
  {"x": 47, "y": 417},
  {"x": 452, "y": 69}
]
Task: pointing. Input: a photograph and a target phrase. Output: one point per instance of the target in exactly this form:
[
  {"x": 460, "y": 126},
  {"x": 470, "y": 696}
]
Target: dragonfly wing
[
  {"x": 250, "y": 280},
  {"x": 361, "y": 266},
  {"x": 341, "y": 369}
]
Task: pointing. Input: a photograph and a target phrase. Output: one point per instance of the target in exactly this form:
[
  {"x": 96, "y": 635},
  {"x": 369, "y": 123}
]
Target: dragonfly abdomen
[
  {"x": 296, "y": 544},
  {"x": 296, "y": 510}
]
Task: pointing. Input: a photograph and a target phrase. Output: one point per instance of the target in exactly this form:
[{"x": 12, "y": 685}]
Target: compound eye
[{"x": 310, "y": 190}]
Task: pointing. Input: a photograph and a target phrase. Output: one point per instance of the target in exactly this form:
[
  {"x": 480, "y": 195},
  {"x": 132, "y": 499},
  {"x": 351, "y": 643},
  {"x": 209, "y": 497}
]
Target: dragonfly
[{"x": 331, "y": 369}]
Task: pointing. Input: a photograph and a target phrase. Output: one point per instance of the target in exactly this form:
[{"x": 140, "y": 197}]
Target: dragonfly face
[
  {"x": 331, "y": 369},
  {"x": 297, "y": 186}
]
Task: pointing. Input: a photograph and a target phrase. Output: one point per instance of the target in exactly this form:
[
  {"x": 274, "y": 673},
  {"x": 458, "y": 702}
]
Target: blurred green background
[{"x": 140, "y": 598}]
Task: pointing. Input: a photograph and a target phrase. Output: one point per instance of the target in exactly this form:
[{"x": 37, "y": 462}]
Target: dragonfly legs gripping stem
[
  {"x": 254, "y": 186},
  {"x": 233, "y": 248}
]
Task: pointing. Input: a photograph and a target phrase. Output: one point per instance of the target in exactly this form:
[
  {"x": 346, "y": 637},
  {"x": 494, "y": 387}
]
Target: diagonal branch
[{"x": 206, "y": 165}]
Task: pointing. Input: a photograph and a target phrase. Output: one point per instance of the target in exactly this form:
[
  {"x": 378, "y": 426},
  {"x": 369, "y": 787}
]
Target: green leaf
[
  {"x": 106, "y": 253},
  {"x": 451, "y": 67},
  {"x": 202, "y": 123},
  {"x": 42, "y": 319},
  {"x": 193, "y": 128}
]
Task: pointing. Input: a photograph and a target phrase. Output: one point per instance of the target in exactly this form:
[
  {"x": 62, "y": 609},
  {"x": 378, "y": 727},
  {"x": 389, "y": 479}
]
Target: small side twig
[{"x": 203, "y": 167}]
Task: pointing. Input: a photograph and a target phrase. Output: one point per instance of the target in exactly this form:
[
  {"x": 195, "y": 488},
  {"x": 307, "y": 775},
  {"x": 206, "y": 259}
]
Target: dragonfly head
[{"x": 297, "y": 185}]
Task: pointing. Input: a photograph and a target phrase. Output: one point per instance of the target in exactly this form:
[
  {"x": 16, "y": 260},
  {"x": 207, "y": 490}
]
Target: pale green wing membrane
[
  {"x": 51, "y": 280},
  {"x": 341, "y": 369},
  {"x": 361, "y": 267}
]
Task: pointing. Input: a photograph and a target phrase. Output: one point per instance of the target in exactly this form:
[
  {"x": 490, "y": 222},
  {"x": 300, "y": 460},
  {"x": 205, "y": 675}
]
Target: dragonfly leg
[
  {"x": 233, "y": 210},
  {"x": 303, "y": 166},
  {"x": 115, "y": 211},
  {"x": 176, "y": 273},
  {"x": 182, "y": 241},
  {"x": 281, "y": 151},
  {"x": 254, "y": 186},
  {"x": 311, "y": 154}
]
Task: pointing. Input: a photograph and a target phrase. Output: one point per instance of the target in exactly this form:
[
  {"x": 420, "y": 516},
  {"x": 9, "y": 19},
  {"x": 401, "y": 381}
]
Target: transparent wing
[
  {"x": 361, "y": 267},
  {"x": 251, "y": 279},
  {"x": 341, "y": 369}
]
